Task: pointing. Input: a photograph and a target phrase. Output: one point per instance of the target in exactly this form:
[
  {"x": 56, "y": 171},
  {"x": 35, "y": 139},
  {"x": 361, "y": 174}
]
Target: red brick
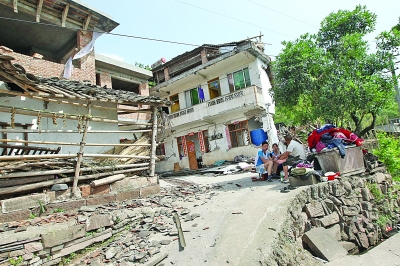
[
  {"x": 14, "y": 216},
  {"x": 100, "y": 200},
  {"x": 85, "y": 190},
  {"x": 147, "y": 191},
  {"x": 127, "y": 195},
  {"x": 100, "y": 190}
]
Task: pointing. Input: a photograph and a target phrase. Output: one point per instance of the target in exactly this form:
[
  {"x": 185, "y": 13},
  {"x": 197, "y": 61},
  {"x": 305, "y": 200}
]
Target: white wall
[{"x": 47, "y": 123}]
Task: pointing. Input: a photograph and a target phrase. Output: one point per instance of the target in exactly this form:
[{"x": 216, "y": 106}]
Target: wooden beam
[
  {"x": 48, "y": 156},
  {"x": 153, "y": 143},
  {"x": 64, "y": 15},
  {"x": 70, "y": 143},
  {"x": 67, "y": 171},
  {"x": 15, "y": 5},
  {"x": 86, "y": 22},
  {"x": 8, "y": 130},
  {"x": 39, "y": 10}
]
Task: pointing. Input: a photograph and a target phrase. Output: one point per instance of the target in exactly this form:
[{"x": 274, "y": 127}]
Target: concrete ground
[{"x": 236, "y": 227}]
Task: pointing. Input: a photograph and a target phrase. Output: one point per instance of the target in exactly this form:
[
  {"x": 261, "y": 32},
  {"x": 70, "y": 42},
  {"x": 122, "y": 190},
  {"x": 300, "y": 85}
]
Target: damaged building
[{"x": 221, "y": 103}]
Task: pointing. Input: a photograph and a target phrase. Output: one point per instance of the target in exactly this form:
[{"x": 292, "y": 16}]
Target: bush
[{"x": 389, "y": 153}]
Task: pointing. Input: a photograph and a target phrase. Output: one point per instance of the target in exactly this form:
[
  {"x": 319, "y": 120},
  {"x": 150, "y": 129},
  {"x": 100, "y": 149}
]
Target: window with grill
[
  {"x": 239, "y": 80},
  {"x": 239, "y": 133}
]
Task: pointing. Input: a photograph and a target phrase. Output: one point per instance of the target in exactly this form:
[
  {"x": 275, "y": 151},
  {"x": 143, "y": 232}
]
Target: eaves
[{"x": 250, "y": 47}]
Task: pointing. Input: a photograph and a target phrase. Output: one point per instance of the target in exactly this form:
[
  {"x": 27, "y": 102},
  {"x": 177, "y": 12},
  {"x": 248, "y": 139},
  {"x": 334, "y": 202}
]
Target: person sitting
[
  {"x": 263, "y": 162},
  {"x": 277, "y": 165},
  {"x": 294, "y": 152}
]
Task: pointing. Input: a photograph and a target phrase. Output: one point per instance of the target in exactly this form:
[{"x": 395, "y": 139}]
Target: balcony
[{"x": 235, "y": 103}]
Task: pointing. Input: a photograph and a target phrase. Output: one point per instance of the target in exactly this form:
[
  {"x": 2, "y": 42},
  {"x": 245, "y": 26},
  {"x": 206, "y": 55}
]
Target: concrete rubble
[{"x": 127, "y": 233}]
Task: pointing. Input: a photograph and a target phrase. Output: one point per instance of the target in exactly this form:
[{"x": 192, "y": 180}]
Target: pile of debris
[{"x": 128, "y": 233}]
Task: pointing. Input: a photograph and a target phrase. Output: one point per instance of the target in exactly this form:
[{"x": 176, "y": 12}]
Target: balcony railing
[{"x": 216, "y": 101}]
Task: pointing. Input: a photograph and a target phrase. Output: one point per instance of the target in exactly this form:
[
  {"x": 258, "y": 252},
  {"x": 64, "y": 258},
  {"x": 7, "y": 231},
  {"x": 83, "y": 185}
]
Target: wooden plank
[
  {"x": 24, "y": 180},
  {"x": 15, "y": 5},
  {"x": 86, "y": 22},
  {"x": 153, "y": 143},
  {"x": 39, "y": 10},
  {"x": 64, "y": 15}
]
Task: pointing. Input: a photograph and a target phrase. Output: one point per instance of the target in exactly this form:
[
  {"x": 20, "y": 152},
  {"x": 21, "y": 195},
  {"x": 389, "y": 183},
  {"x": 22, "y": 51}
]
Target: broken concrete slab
[
  {"x": 97, "y": 221},
  {"x": 330, "y": 219},
  {"x": 315, "y": 209},
  {"x": 23, "y": 203},
  {"x": 323, "y": 244},
  {"x": 57, "y": 237}
]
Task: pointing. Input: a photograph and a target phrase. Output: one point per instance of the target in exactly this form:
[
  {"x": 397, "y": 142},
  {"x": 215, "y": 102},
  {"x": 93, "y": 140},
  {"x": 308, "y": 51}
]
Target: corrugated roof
[{"x": 67, "y": 89}]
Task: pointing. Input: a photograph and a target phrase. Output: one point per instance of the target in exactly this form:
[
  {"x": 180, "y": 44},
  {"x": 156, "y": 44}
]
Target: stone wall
[{"x": 355, "y": 211}]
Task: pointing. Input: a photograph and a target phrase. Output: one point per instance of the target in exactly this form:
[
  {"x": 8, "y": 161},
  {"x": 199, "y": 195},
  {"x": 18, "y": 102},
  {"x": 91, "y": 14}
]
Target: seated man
[
  {"x": 294, "y": 152},
  {"x": 263, "y": 162}
]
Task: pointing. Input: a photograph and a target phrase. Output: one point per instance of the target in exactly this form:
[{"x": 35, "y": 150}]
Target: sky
[{"x": 200, "y": 22}]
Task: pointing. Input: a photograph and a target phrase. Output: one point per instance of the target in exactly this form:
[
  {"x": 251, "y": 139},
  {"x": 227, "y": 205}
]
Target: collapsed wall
[{"x": 351, "y": 215}]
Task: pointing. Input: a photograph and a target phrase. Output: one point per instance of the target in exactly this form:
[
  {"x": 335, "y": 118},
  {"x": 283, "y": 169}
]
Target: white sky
[{"x": 175, "y": 21}]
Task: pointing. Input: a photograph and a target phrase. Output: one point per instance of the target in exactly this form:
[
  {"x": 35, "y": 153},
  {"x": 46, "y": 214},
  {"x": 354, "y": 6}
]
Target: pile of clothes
[{"x": 329, "y": 136}]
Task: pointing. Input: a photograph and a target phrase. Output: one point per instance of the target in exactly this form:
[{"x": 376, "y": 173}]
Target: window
[
  {"x": 194, "y": 96},
  {"x": 175, "y": 103},
  {"x": 206, "y": 141},
  {"x": 214, "y": 88},
  {"x": 239, "y": 80},
  {"x": 160, "y": 149},
  {"x": 239, "y": 133}
]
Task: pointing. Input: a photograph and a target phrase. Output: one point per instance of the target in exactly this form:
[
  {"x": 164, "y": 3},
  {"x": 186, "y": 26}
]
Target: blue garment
[
  {"x": 339, "y": 144},
  {"x": 325, "y": 127},
  {"x": 259, "y": 155},
  {"x": 201, "y": 93}
]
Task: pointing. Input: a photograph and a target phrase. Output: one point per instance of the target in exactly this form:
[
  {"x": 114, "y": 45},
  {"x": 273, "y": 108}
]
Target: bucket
[{"x": 258, "y": 136}]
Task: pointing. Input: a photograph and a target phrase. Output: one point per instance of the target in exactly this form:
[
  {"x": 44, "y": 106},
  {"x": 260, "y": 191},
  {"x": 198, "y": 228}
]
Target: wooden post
[
  {"x": 153, "y": 143},
  {"x": 75, "y": 191}
]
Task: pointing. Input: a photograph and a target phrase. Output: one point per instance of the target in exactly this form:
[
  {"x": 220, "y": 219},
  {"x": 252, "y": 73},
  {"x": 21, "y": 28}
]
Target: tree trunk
[{"x": 370, "y": 127}]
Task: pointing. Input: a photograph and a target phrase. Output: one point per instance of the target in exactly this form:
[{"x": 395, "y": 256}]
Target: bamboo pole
[
  {"x": 51, "y": 156},
  {"x": 107, "y": 180},
  {"x": 70, "y": 143},
  {"x": 8, "y": 130},
  {"x": 86, "y": 169},
  {"x": 72, "y": 117},
  {"x": 23, "y": 188},
  {"x": 153, "y": 143},
  {"x": 75, "y": 190}
]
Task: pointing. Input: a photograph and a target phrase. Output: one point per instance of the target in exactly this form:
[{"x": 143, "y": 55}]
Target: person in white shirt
[{"x": 294, "y": 152}]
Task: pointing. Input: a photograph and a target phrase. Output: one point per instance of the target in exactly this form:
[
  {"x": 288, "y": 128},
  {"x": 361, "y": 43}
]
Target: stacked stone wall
[{"x": 358, "y": 211}]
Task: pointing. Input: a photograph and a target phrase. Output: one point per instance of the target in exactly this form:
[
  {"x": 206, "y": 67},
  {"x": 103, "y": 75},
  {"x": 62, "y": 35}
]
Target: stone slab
[
  {"x": 58, "y": 237},
  {"x": 81, "y": 245},
  {"x": 335, "y": 232},
  {"x": 330, "y": 219},
  {"x": 297, "y": 182},
  {"x": 323, "y": 245},
  {"x": 315, "y": 209},
  {"x": 33, "y": 247},
  {"x": 99, "y": 200},
  {"x": 23, "y": 203},
  {"x": 67, "y": 205},
  {"x": 14, "y": 216},
  {"x": 98, "y": 221},
  {"x": 127, "y": 195},
  {"x": 130, "y": 183},
  {"x": 147, "y": 191}
]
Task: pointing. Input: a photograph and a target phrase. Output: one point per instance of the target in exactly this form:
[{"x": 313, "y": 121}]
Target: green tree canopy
[{"x": 331, "y": 75}]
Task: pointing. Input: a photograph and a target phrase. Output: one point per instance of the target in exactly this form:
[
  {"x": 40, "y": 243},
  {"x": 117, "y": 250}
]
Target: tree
[
  {"x": 333, "y": 74},
  {"x": 388, "y": 44}
]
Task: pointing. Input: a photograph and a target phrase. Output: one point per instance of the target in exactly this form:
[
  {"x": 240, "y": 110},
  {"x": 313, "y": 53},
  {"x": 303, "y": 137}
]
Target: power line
[
  {"x": 233, "y": 18},
  {"x": 109, "y": 33},
  {"x": 282, "y": 13}
]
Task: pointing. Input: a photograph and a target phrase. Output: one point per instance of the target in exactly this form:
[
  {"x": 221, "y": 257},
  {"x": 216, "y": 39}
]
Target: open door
[{"x": 192, "y": 155}]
